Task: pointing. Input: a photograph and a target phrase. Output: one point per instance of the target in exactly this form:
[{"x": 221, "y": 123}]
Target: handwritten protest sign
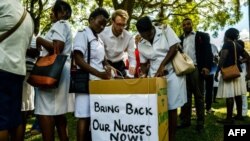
[{"x": 129, "y": 110}]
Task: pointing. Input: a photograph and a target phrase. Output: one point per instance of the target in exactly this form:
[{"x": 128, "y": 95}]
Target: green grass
[
  {"x": 213, "y": 130},
  {"x": 71, "y": 129}
]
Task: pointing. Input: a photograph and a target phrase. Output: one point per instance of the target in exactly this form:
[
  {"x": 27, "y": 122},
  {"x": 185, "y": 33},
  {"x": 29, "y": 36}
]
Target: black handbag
[
  {"x": 47, "y": 70},
  {"x": 79, "y": 79}
]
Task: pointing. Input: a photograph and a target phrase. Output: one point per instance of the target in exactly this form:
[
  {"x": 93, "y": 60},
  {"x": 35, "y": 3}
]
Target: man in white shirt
[
  {"x": 12, "y": 67},
  {"x": 117, "y": 41},
  {"x": 197, "y": 46}
]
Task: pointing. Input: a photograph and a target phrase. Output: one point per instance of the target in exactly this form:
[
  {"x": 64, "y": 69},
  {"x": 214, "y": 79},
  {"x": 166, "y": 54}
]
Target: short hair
[
  {"x": 232, "y": 33},
  {"x": 186, "y": 19},
  {"x": 144, "y": 24},
  {"x": 97, "y": 12},
  {"x": 61, "y": 6},
  {"x": 120, "y": 12}
]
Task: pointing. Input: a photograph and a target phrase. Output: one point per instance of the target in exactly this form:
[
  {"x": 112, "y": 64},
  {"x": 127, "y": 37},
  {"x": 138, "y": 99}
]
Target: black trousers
[
  {"x": 120, "y": 66},
  {"x": 209, "y": 82},
  {"x": 195, "y": 85}
]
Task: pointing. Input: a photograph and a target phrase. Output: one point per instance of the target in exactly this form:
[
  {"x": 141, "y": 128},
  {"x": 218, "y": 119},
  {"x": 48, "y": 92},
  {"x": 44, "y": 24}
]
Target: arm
[
  {"x": 78, "y": 56},
  {"x": 170, "y": 55},
  {"x": 80, "y": 47},
  {"x": 48, "y": 45},
  {"x": 247, "y": 61},
  {"x": 208, "y": 54},
  {"x": 131, "y": 56},
  {"x": 144, "y": 62},
  {"x": 58, "y": 36},
  {"x": 108, "y": 68},
  {"x": 144, "y": 69},
  {"x": 105, "y": 62},
  {"x": 223, "y": 56},
  {"x": 217, "y": 74},
  {"x": 32, "y": 52}
]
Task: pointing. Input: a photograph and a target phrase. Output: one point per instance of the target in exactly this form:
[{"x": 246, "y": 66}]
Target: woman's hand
[
  {"x": 205, "y": 71},
  {"x": 104, "y": 75},
  {"x": 131, "y": 70},
  {"x": 49, "y": 45},
  {"x": 161, "y": 71}
]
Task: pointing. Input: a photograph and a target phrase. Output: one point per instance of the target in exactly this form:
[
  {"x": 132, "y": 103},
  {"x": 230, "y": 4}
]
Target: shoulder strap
[
  {"x": 73, "y": 63},
  {"x": 88, "y": 60},
  {"x": 235, "y": 54},
  {"x": 13, "y": 29}
]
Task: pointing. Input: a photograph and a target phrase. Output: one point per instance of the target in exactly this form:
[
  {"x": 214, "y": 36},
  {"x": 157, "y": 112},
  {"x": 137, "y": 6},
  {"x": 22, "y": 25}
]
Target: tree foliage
[{"x": 209, "y": 15}]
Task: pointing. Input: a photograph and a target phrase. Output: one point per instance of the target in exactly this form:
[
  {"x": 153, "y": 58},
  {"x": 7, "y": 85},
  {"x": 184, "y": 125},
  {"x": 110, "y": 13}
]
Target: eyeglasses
[{"x": 121, "y": 25}]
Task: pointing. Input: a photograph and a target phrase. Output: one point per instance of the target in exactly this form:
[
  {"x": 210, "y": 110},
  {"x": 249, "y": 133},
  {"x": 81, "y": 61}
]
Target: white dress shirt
[
  {"x": 116, "y": 46},
  {"x": 189, "y": 46}
]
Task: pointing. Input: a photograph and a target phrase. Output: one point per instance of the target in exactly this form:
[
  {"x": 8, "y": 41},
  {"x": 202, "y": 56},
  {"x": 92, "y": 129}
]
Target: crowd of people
[{"x": 150, "y": 54}]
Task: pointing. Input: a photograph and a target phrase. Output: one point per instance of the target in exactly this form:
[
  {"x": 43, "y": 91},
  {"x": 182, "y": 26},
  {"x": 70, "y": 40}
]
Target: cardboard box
[{"x": 129, "y": 110}]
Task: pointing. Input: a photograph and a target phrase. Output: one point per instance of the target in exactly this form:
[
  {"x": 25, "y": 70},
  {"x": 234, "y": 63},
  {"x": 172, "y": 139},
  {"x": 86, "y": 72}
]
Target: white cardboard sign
[{"x": 124, "y": 117}]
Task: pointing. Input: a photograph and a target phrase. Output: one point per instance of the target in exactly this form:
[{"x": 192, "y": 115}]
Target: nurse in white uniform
[
  {"x": 97, "y": 21},
  {"x": 51, "y": 105},
  {"x": 157, "y": 48}
]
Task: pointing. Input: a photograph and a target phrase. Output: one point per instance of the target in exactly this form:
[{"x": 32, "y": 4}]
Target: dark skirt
[{"x": 10, "y": 100}]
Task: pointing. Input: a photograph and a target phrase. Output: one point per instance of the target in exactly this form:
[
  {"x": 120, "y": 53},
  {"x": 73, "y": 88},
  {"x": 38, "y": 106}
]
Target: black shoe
[
  {"x": 226, "y": 121},
  {"x": 241, "y": 118},
  {"x": 183, "y": 126}
]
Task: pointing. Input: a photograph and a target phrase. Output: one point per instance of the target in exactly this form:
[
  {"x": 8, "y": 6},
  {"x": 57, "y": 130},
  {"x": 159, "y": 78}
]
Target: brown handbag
[
  {"x": 47, "y": 70},
  {"x": 231, "y": 72}
]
